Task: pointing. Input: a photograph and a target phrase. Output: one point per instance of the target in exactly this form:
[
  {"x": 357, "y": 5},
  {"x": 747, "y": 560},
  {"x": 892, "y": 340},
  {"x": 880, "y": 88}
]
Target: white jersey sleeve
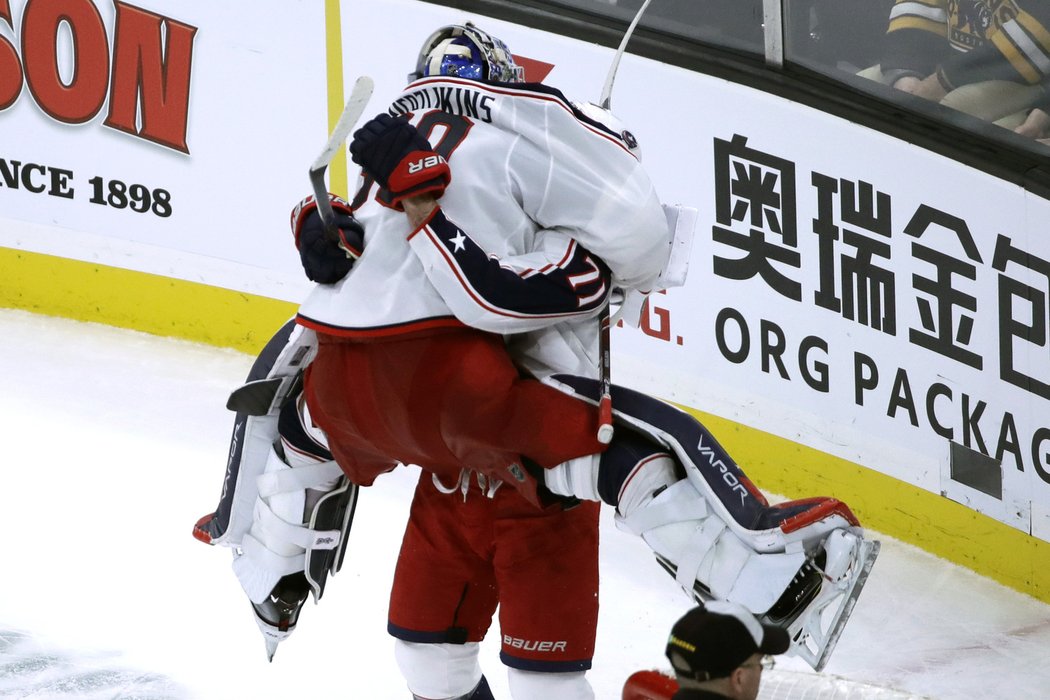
[{"x": 557, "y": 280}]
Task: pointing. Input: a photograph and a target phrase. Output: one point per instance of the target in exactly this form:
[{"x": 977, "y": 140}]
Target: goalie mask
[{"x": 464, "y": 51}]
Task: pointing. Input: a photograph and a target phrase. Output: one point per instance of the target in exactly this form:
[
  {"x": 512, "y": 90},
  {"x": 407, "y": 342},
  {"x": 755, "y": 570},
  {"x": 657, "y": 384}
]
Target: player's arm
[
  {"x": 916, "y": 39},
  {"x": 1019, "y": 52},
  {"x": 556, "y": 281}
]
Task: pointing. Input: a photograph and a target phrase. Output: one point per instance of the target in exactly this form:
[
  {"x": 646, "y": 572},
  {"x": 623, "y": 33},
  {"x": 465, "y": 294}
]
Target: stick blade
[{"x": 355, "y": 106}]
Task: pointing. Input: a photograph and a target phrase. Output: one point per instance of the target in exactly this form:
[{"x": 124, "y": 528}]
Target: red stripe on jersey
[{"x": 424, "y": 326}]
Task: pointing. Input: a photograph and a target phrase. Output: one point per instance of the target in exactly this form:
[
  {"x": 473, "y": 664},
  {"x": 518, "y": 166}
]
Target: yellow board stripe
[
  {"x": 337, "y": 180},
  {"x": 90, "y": 292},
  {"x": 163, "y": 306}
]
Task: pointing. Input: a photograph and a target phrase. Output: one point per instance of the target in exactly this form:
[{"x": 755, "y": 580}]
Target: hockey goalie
[
  {"x": 431, "y": 277},
  {"x": 286, "y": 509}
]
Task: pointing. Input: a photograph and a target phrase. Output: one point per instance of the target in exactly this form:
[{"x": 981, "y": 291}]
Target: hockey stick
[
  {"x": 605, "y": 424},
  {"x": 355, "y": 107},
  {"x": 606, "y": 97}
]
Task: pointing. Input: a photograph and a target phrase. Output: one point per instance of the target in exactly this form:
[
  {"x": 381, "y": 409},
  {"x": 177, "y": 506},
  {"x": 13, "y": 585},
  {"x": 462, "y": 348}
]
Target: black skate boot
[{"x": 279, "y": 613}]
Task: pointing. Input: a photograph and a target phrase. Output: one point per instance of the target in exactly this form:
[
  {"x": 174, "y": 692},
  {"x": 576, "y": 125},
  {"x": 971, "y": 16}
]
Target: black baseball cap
[{"x": 712, "y": 640}]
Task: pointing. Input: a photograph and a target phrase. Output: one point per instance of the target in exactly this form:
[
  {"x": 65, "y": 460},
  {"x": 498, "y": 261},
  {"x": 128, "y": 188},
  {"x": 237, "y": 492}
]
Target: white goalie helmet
[
  {"x": 612, "y": 123},
  {"x": 464, "y": 51}
]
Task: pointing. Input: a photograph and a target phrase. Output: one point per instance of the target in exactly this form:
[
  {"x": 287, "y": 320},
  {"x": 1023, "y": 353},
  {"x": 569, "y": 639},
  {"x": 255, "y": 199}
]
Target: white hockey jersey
[{"x": 543, "y": 204}]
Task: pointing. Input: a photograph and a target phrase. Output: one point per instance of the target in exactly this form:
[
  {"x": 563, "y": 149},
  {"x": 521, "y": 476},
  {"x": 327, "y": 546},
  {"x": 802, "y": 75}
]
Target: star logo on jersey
[{"x": 459, "y": 242}]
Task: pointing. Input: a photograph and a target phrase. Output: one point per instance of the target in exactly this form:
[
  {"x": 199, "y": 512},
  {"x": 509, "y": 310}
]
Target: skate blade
[
  {"x": 272, "y": 636},
  {"x": 813, "y": 637}
]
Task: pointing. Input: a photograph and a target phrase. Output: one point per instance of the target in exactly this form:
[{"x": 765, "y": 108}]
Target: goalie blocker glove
[
  {"x": 400, "y": 159},
  {"x": 324, "y": 260}
]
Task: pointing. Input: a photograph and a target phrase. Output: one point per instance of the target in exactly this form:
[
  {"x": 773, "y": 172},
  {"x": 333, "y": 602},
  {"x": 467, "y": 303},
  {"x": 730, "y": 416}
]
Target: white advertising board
[
  {"x": 847, "y": 291},
  {"x": 166, "y": 137}
]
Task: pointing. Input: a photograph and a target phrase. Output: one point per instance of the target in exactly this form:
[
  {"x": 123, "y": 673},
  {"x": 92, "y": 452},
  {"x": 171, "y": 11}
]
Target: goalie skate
[
  {"x": 819, "y": 600},
  {"x": 279, "y": 613},
  {"x": 818, "y": 625}
]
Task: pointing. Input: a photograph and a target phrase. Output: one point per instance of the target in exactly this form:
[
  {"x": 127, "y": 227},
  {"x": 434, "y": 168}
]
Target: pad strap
[
  {"x": 688, "y": 505},
  {"x": 322, "y": 476},
  {"x": 298, "y": 535},
  {"x": 693, "y": 554}
]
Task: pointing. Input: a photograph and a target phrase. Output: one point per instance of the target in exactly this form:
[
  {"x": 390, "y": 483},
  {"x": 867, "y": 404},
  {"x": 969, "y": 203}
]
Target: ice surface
[{"x": 115, "y": 444}]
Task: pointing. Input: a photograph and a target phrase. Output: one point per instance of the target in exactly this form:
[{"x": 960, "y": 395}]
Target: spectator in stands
[
  {"x": 720, "y": 650},
  {"x": 985, "y": 59}
]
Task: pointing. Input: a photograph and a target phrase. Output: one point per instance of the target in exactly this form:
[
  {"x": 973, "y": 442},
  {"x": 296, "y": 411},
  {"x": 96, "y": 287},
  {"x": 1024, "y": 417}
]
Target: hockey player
[
  {"x": 542, "y": 562},
  {"x": 547, "y": 211},
  {"x": 542, "y": 289}
]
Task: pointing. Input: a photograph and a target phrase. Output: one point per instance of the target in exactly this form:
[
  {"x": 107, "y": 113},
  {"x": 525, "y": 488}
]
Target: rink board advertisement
[
  {"x": 847, "y": 292},
  {"x": 167, "y": 137}
]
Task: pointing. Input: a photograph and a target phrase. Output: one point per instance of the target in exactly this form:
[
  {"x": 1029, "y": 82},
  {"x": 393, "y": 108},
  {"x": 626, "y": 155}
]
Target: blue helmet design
[{"x": 464, "y": 51}]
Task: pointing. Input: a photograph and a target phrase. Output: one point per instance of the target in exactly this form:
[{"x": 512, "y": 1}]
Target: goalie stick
[
  {"x": 355, "y": 107},
  {"x": 606, "y": 97},
  {"x": 605, "y": 421}
]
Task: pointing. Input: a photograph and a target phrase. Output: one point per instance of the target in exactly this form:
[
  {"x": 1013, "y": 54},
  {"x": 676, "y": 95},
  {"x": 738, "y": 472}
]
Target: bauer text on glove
[{"x": 399, "y": 158}]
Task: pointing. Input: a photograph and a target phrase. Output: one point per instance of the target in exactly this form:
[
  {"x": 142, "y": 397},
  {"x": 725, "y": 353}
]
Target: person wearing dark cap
[{"x": 719, "y": 650}]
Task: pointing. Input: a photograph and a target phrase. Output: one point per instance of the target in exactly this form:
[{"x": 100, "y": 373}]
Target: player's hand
[
  {"x": 908, "y": 83},
  {"x": 1036, "y": 125},
  {"x": 929, "y": 87},
  {"x": 399, "y": 158},
  {"x": 327, "y": 261}
]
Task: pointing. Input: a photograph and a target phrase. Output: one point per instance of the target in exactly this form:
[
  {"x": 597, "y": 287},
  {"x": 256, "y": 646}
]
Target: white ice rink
[{"x": 115, "y": 443}]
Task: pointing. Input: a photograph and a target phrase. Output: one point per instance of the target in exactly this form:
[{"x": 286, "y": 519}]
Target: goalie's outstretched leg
[
  {"x": 286, "y": 506},
  {"x": 800, "y": 565}
]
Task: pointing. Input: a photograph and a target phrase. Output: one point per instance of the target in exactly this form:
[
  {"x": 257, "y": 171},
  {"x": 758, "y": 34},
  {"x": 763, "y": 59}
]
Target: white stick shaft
[
  {"x": 355, "y": 107},
  {"x": 605, "y": 427},
  {"x": 606, "y": 98}
]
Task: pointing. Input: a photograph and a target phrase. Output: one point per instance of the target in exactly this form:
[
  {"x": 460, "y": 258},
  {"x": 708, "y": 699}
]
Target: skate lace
[{"x": 488, "y": 486}]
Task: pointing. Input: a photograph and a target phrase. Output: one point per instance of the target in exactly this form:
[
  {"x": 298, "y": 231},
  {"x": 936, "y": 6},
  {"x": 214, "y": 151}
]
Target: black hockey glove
[
  {"x": 324, "y": 260},
  {"x": 399, "y": 158}
]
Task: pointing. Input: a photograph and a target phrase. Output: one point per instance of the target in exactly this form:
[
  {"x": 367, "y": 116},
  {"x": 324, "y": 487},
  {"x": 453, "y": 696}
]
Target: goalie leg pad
[
  {"x": 273, "y": 377},
  {"x": 800, "y": 564},
  {"x": 708, "y": 559},
  {"x": 277, "y": 541},
  {"x": 714, "y": 474}
]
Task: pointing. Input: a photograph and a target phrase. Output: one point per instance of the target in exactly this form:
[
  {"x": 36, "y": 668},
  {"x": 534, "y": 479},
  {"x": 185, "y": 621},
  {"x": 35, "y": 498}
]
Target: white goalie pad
[
  {"x": 277, "y": 541},
  {"x": 685, "y": 531},
  {"x": 800, "y": 565},
  {"x": 286, "y": 512},
  {"x": 257, "y": 403}
]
